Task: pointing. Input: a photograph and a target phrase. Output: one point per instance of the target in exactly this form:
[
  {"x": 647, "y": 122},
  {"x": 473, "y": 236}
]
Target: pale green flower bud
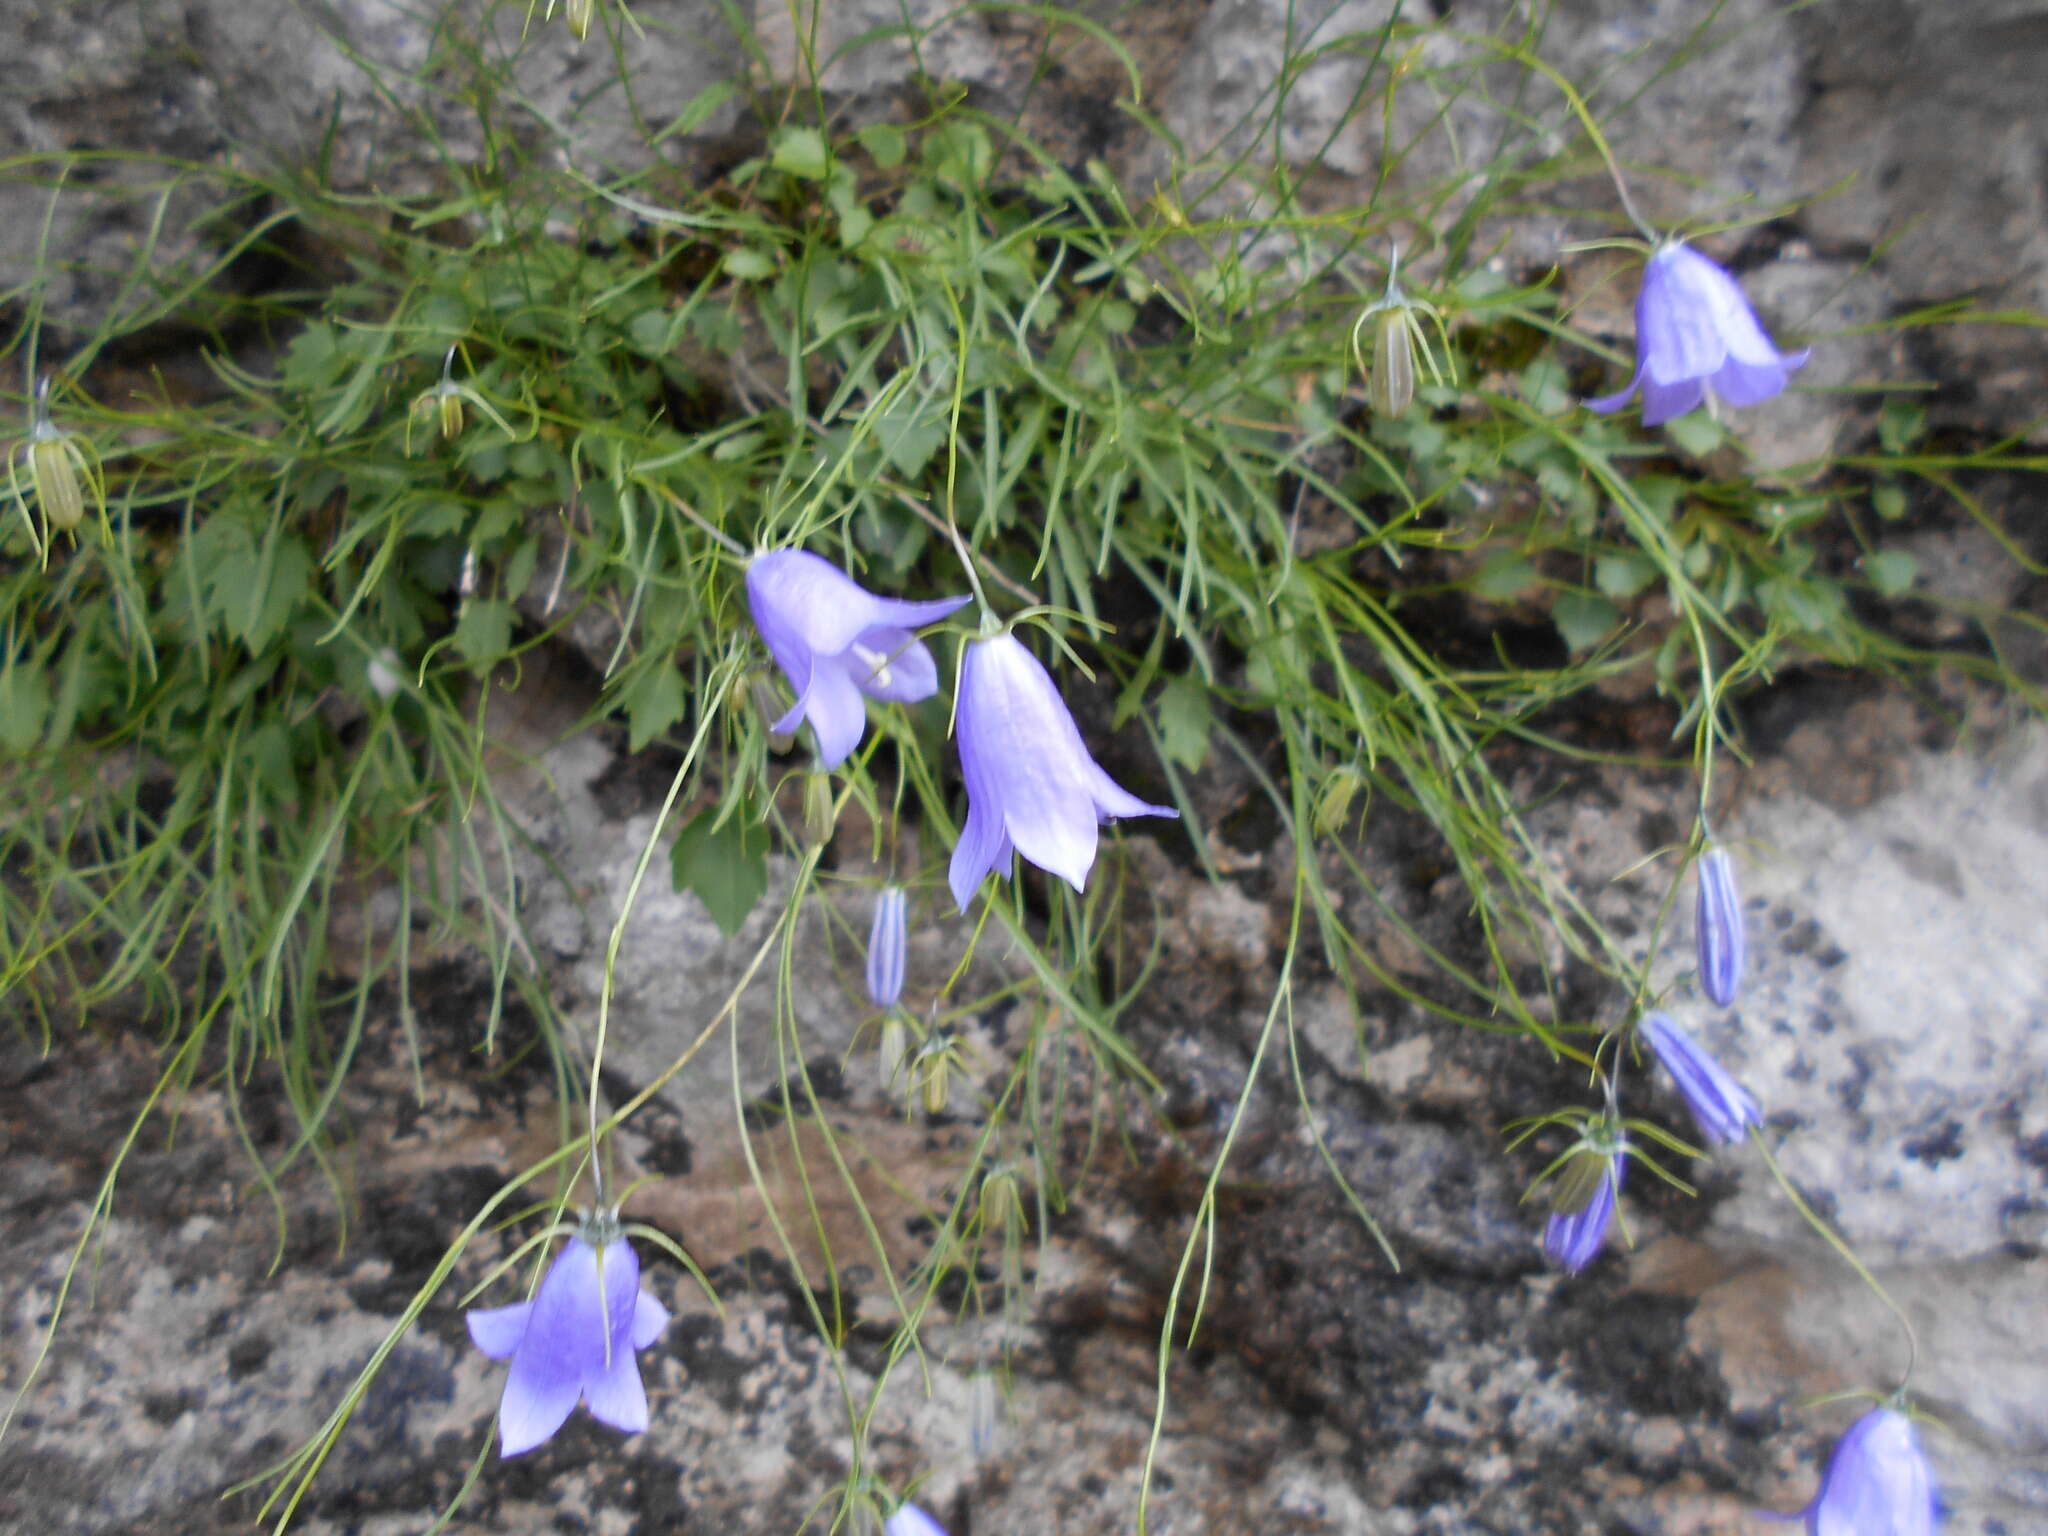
[
  {"x": 53, "y": 469},
  {"x": 1396, "y": 337}
]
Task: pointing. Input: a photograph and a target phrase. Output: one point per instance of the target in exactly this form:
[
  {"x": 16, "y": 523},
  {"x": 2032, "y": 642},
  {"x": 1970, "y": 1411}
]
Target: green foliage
[{"x": 724, "y": 863}]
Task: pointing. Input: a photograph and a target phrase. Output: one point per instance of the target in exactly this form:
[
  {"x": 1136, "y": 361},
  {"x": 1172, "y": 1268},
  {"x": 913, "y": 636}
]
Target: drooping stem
[
  {"x": 717, "y": 535},
  {"x": 1836, "y": 1241}
]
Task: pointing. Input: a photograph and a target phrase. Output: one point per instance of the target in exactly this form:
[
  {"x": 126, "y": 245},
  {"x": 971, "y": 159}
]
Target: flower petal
[
  {"x": 1661, "y": 402},
  {"x": 532, "y": 1409},
  {"x": 1741, "y": 383},
  {"x": 983, "y": 846},
  {"x": 649, "y": 1318},
  {"x": 1607, "y": 404},
  {"x": 497, "y": 1330},
  {"x": 834, "y": 707},
  {"x": 811, "y": 600},
  {"x": 892, "y": 664},
  {"x": 909, "y": 1520},
  {"x": 616, "y": 1396},
  {"x": 1112, "y": 799}
]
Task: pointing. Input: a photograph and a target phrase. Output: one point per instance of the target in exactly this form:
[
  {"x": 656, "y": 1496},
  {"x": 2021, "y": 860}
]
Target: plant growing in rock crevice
[{"x": 908, "y": 356}]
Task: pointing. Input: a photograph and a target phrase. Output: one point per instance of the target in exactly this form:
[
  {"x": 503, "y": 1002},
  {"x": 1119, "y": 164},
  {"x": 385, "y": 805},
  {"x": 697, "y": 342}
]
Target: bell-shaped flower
[
  {"x": 835, "y": 641},
  {"x": 885, "y": 948},
  {"x": 1031, "y": 784},
  {"x": 1877, "y": 1482},
  {"x": 575, "y": 1339},
  {"x": 1696, "y": 333},
  {"x": 1721, "y": 1107},
  {"x": 909, "y": 1520},
  {"x": 1717, "y": 926},
  {"x": 1582, "y": 1209}
]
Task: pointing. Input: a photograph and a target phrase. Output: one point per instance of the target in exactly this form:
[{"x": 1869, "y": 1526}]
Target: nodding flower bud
[
  {"x": 57, "y": 471},
  {"x": 820, "y": 814},
  {"x": 894, "y": 1051},
  {"x": 1721, "y": 1107},
  {"x": 55, "y": 477},
  {"x": 1717, "y": 926},
  {"x": 1582, "y": 1205},
  {"x": 885, "y": 948},
  {"x": 934, "y": 1069},
  {"x": 1583, "y": 1192},
  {"x": 1396, "y": 336},
  {"x": 998, "y": 1201},
  {"x": 578, "y": 14}
]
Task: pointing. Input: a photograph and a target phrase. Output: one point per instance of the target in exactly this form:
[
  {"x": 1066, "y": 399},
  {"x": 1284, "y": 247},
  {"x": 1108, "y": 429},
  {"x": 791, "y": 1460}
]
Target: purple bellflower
[
  {"x": 1031, "y": 785},
  {"x": 885, "y": 948},
  {"x": 1877, "y": 1483},
  {"x": 1717, "y": 926},
  {"x": 909, "y": 1520},
  {"x": 575, "y": 1339},
  {"x": 1575, "y": 1233},
  {"x": 1721, "y": 1107},
  {"x": 1696, "y": 333},
  {"x": 835, "y": 641}
]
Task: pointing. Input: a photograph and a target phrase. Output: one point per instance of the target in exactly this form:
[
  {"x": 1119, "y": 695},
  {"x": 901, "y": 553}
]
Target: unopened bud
[
  {"x": 1396, "y": 335},
  {"x": 1717, "y": 925},
  {"x": 1333, "y": 806},
  {"x": 934, "y": 1073},
  {"x": 886, "y": 943},
  {"x": 451, "y": 413},
  {"x": 1721, "y": 1107},
  {"x": 1581, "y": 1206},
  {"x": 578, "y": 13},
  {"x": 1391, "y": 388},
  {"x": 54, "y": 472},
  {"x": 998, "y": 1201},
  {"x": 820, "y": 814},
  {"x": 894, "y": 1051}
]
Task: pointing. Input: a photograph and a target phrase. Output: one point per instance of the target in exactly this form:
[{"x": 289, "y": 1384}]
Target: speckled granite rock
[{"x": 1472, "y": 1391}]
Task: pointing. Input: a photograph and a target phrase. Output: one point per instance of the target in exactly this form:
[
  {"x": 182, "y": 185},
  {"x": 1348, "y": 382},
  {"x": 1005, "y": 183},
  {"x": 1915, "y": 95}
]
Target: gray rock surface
[{"x": 1894, "y": 915}]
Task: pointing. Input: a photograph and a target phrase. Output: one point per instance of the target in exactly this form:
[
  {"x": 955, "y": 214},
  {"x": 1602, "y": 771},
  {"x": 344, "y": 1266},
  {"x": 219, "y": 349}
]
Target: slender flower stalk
[
  {"x": 1032, "y": 786},
  {"x": 886, "y": 943},
  {"x": 1717, "y": 927},
  {"x": 1721, "y": 1107},
  {"x": 1877, "y": 1482},
  {"x": 575, "y": 1339},
  {"x": 836, "y": 641},
  {"x": 1697, "y": 338}
]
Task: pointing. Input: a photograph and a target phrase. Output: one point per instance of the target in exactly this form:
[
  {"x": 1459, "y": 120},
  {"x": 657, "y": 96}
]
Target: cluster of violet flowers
[
  {"x": 1698, "y": 341},
  {"x": 1033, "y": 788}
]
